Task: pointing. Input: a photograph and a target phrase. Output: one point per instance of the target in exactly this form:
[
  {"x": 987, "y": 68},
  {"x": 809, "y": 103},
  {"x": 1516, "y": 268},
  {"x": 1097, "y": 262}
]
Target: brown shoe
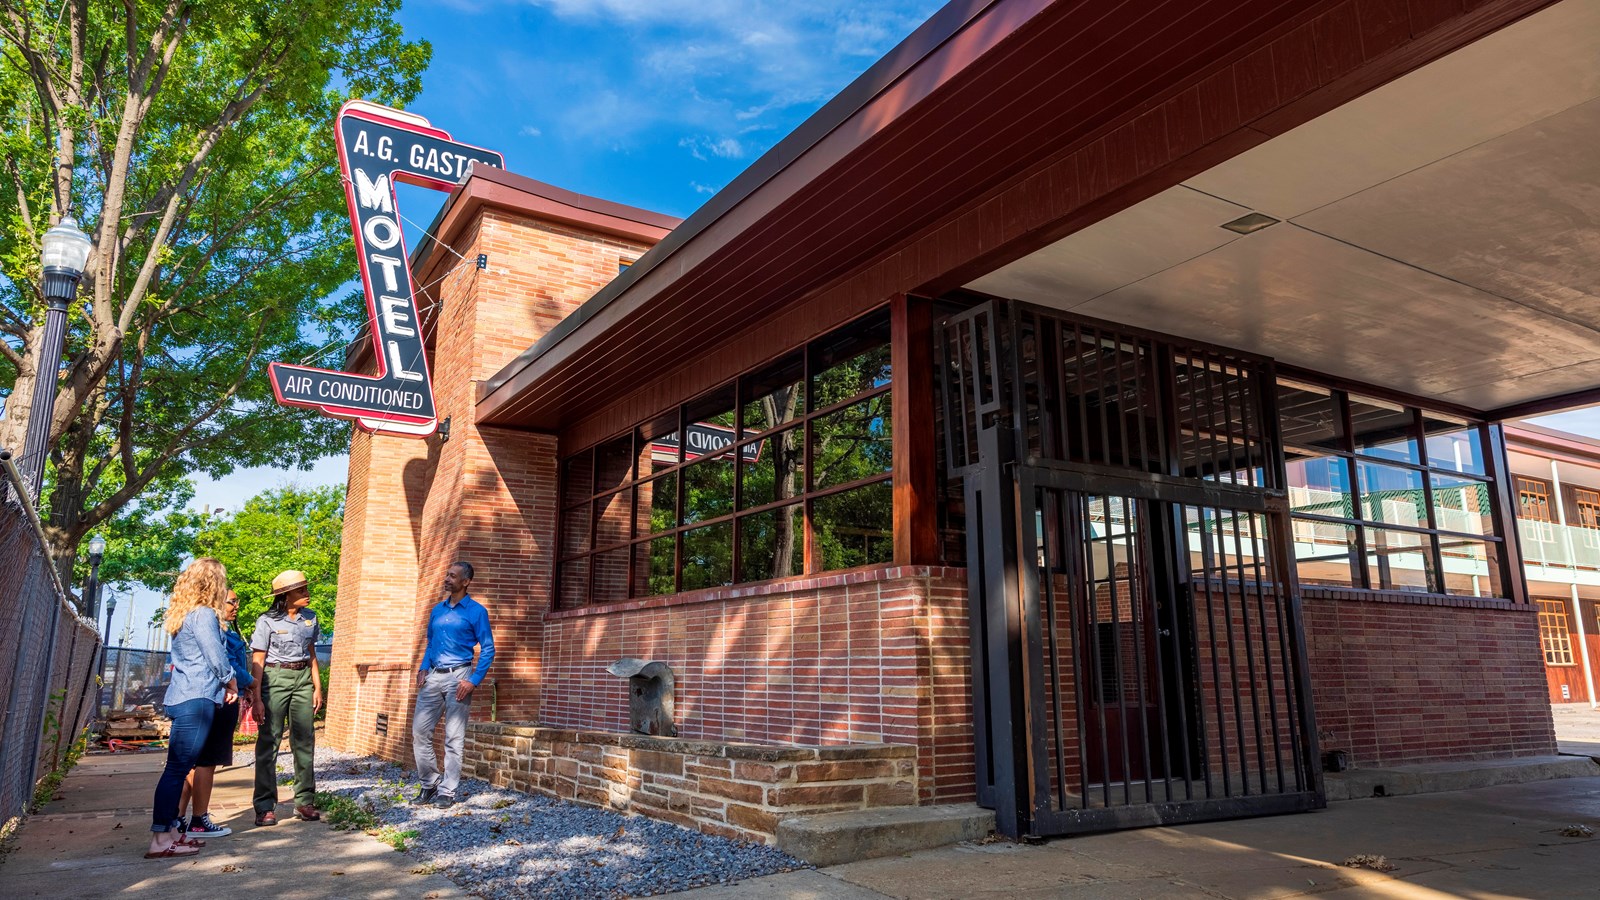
[
  {"x": 267, "y": 818},
  {"x": 309, "y": 813}
]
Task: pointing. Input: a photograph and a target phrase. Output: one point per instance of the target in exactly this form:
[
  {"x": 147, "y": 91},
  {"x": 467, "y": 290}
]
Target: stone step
[
  {"x": 830, "y": 839},
  {"x": 1430, "y": 778}
]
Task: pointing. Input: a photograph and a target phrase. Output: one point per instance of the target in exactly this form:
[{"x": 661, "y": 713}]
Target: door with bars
[{"x": 1138, "y": 653}]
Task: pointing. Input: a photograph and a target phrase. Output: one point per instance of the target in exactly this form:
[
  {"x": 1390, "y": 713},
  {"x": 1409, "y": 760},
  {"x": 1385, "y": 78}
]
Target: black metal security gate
[{"x": 1136, "y": 635}]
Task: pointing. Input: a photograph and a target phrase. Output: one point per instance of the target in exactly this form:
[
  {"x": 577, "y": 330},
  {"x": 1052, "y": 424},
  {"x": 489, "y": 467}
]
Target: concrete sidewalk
[
  {"x": 90, "y": 844},
  {"x": 1500, "y": 841}
]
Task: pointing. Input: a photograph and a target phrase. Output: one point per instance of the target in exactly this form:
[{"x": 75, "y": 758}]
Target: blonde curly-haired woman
[{"x": 202, "y": 680}]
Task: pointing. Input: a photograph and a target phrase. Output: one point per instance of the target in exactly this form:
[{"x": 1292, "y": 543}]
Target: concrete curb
[
  {"x": 1431, "y": 778},
  {"x": 834, "y": 838}
]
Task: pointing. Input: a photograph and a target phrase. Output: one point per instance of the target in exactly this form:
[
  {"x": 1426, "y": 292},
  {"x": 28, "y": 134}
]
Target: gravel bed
[{"x": 503, "y": 843}]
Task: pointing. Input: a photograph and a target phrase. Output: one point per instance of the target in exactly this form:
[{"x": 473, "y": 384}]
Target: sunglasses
[{"x": 231, "y": 601}]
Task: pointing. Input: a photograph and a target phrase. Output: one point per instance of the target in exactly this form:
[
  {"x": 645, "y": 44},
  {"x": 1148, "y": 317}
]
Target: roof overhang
[
  {"x": 1438, "y": 237},
  {"x": 980, "y": 110},
  {"x": 489, "y": 190}
]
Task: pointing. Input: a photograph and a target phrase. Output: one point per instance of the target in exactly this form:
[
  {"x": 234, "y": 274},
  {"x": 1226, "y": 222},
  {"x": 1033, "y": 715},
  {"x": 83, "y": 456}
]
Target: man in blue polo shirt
[{"x": 445, "y": 682}]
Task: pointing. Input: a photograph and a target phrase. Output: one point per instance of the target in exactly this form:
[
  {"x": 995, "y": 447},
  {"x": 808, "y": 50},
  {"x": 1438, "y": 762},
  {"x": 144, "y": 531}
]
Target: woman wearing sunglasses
[{"x": 218, "y": 750}]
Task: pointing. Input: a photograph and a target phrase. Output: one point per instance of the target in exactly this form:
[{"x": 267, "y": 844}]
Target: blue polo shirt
[{"x": 453, "y": 629}]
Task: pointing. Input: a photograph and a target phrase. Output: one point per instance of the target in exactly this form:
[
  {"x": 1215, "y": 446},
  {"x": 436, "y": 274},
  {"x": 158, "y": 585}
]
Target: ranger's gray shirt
[{"x": 289, "y": 639}]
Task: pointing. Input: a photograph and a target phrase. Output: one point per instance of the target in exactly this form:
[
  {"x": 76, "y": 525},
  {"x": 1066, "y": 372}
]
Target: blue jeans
[{"x": 191, "y": 722}]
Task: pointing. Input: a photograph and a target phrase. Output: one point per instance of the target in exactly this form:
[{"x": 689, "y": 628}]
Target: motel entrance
[{"x": 1138, "y": 654}]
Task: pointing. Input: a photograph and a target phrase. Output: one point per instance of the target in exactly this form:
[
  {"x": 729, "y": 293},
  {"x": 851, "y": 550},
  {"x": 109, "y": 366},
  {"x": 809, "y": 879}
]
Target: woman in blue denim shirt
[
  {"x": 202, "y": 680},
  {"x": 218, "y": 750}
]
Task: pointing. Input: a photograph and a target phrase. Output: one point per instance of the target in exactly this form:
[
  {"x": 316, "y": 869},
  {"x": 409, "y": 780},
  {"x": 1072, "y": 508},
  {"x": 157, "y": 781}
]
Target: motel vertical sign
[{"x": 379, "y": 146}]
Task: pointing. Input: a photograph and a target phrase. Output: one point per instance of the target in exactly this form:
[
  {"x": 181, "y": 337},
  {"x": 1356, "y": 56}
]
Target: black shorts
[{"x": 218, "y": 749}]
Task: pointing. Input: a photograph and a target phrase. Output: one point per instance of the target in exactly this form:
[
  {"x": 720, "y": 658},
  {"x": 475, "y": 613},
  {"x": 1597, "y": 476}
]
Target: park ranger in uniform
[{"x": 288, "y": 687}]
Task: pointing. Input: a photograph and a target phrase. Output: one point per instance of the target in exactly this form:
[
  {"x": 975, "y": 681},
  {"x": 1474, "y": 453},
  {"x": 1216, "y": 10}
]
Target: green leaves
[
  {"x": 199, "y": 154},
  {"x": 287, "y": 528}
]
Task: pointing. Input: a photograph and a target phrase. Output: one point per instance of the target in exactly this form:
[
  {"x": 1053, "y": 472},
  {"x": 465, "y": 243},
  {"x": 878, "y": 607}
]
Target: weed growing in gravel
[
  {"x": 396, "y": 838},
  {"x": 345, "y": 814}
]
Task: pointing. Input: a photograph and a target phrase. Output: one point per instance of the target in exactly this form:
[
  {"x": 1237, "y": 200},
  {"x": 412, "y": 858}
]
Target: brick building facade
[{"x": 957, "y": 408}]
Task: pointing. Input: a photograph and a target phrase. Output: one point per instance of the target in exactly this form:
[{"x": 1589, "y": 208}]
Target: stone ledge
[
  {"x": 740, "y": 791},
  {"x": 832, "y": 839},
  {"x": 714, "y": 749},
  {"x": 1432, "y": 778}
]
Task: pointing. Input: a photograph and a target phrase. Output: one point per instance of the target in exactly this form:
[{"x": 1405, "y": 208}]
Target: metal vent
[{"x": 382, "y": 726}]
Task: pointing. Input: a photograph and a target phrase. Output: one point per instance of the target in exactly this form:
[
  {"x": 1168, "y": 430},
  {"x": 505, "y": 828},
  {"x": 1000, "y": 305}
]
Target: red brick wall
[
  {"x": 876, "y": 655},
  {"x": 1400, "y": 680},
  {"x": 415, "y": 506}
]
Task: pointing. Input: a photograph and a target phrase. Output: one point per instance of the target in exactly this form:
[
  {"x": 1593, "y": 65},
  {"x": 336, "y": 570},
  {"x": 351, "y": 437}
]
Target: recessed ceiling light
[{"x": 1249, "y": 224}]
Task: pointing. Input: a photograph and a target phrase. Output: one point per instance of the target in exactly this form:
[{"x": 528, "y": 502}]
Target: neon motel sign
[{"x": 379, "y": 146}]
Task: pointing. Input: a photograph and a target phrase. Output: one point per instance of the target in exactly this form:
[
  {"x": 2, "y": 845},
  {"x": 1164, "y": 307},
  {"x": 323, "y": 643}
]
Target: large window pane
[
  {"x": 577, "y": 477},
  {"x": 1471, "y": 568},
  {"x": 610, "y": 579},
  {"x": 855, "y": 528},
  {"x": 614, "y": 463},
  {"x": 708, "y": 556},
  {"x": 1321, "y": 486},
  {"x": 852, "y": 443},
  {"x": 1399, "y": 560},
  {"x": 655, "y": 567},
  {"x": 1454, "y": 446},
  {"x": 613, "y": 519},
  {"x": 658, "y": 504},
  {"x": 711, "y": 421},
  {"x": 1310, "y": 417},
  {"x": 777, "y": 471},
  {"x": 1384, "y": 430},
  {"x": 771, "y": 544},
  {"x": 1461, "y": 504},
  {"x": 1325, "y": 553},
  {"x": 707, "y": 489},
  {"x": 1391, "y": 495},
  {"x": 776, "y": 396},
  {"x": 575, "y": 531},
  {"x": 573, "y": 586},
  {"x": 854, "y": 361}
]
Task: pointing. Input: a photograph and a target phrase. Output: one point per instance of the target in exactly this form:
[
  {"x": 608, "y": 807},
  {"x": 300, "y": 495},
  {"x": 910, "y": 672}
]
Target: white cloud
[
  {"x": 529, "y": 131},
  {"x": 702, "y": 188}
]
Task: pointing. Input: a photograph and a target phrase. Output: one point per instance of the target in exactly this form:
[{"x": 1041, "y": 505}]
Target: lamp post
[
  {"x": 91, "y": 587},
  {"x": 111, "y": 608},
  {"x": 65, "y": 252}
]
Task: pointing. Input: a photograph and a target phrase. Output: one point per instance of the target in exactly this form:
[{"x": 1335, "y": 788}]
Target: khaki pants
[
  {"x": 438, "y": 696},
  {"x": 287, "y": 695}
]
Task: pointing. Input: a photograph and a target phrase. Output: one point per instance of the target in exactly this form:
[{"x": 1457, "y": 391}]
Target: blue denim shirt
[
  {"x": 200, "y": 666},
  {"x": 452, "y": 630},
  {"x": 239, "y": 656}
]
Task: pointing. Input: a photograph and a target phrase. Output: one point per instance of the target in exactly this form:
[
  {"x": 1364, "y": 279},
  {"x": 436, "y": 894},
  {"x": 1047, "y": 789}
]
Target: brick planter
[{"x": 733, "y": 790}]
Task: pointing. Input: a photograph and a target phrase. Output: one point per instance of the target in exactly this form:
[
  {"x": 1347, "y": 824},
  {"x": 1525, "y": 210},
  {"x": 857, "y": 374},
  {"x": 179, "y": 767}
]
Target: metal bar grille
[{"x": 1144, "y": 661}]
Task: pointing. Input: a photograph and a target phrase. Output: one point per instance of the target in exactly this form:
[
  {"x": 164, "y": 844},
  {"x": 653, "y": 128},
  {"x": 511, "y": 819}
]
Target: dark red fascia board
[
  {"x": 1563, "y": 445},
  {"x": 932, "y": 38},
  {"x": 490, "y": 188}
]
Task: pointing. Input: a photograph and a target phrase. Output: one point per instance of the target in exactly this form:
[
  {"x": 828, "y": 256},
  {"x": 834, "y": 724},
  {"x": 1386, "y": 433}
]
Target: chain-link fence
[
  {"x": 47, "y": 661},
  {"x": 131, "y": 678}
]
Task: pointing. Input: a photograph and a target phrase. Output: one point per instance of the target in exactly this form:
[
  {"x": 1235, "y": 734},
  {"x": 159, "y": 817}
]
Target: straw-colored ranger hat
[{"x": 288, "y": 581}]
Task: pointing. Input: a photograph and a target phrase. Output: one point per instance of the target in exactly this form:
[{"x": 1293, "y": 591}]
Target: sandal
[
  {"x": 178, "y": 848},
  {"x": 187, "y": 841}
]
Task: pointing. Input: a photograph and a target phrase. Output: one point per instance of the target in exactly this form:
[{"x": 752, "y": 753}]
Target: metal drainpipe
[{"x": 1572, "y": 563}]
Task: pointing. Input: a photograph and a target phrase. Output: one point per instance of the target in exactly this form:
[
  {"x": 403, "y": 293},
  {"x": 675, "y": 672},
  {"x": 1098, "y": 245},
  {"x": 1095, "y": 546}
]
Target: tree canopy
[
  {"x": 286, "y": 528},
  {"x": 193, "y": 140}
]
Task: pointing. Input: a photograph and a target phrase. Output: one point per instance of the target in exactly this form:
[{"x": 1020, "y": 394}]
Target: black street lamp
[
  {"x": 111, "y": 607},
  {"x": 64, "y": 253},
  {"x": 91, "y": 587}
]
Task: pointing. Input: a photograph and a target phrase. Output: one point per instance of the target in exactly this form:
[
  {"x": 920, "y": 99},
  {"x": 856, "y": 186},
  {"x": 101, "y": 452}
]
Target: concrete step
[
  {"x": 830, "y": 839},
  {"x": 1429, "y": 778}
]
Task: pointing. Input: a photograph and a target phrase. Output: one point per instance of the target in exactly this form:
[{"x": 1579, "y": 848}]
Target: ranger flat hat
[{"x": 288, "y": 580}]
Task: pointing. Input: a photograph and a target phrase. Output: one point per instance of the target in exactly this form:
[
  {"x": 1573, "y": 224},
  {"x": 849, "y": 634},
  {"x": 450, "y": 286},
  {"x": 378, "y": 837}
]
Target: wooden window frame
[{"x": 1555, "y": 634}]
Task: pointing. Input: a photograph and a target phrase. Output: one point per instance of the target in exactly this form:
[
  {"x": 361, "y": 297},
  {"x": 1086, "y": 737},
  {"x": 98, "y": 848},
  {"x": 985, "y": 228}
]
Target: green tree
[
  {"x": 287, "y": 528},
  {"x": 193, "y": 139}
]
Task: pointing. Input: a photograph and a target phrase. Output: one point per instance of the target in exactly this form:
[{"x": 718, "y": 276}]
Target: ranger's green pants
[{"x": 287, "y": 694}]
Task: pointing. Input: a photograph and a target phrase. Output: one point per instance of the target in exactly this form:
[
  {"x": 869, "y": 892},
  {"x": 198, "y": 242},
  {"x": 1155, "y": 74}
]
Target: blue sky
[{"x": 653, "y": 103}]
